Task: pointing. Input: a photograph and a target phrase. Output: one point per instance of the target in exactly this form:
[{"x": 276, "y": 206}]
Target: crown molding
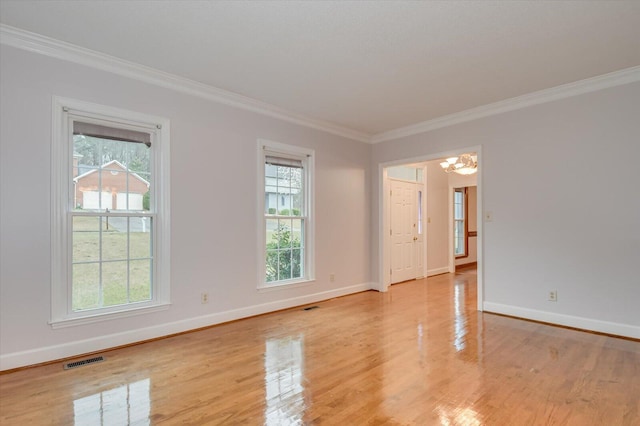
[
  {"x": 616, "y": 78},
  {"x": 43, "y": 45}
]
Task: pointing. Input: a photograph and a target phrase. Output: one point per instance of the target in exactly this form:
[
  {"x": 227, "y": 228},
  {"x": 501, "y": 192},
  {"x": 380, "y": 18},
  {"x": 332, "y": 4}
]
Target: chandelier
[{"x": 466, "y": 164}]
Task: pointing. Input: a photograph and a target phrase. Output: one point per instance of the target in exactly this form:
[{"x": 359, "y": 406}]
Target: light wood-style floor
[{"x": 417, "y": 355}]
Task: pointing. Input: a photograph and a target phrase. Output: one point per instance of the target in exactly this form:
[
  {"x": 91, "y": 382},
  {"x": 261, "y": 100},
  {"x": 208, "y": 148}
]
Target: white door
[
  {"x": 135, "y": 201},
  {"x": 90, "y": 200},
  {"x": 404, "y": 235}
]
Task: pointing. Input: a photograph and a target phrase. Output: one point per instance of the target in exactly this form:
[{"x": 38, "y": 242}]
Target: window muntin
[
  {"x": 110, "y": 216},
  {"x": 286, "y": 245}
]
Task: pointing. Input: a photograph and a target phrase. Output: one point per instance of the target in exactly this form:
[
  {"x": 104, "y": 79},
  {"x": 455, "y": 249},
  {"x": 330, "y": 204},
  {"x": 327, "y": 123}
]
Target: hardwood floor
[{"x": 417, "y": 355}]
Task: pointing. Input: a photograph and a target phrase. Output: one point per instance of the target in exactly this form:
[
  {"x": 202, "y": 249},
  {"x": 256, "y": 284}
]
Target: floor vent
[
  {"x": 308, "y": 308},
  {"x": 76, "y": 364}
]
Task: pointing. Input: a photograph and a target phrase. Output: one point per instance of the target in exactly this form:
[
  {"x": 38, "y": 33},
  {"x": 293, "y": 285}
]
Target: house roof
[{"x": 108, "y": 165}]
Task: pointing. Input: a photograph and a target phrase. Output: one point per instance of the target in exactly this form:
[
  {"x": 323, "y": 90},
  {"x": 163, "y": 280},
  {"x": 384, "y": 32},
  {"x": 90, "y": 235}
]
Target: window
[
  {"x": 419, "y": 212},
  {"x": 110, "y": 250},
  {"x": 286, "y": 174},
  {"x": 460, "y": 234}
]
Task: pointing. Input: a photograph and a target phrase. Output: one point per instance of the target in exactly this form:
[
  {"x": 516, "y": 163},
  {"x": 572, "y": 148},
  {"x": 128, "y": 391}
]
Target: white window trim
[
  {"x": 61, "y": 249},
  {"x": 308, "y": 157}
]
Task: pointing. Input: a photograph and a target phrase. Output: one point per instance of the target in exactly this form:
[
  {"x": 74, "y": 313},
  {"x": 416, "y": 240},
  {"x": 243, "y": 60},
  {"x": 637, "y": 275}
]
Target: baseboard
[
  {"x": 437, "y": 271},
  {"x": 469, "y": 265},
  {"x": 618, "y": 329},
  {"x": 51, "y": 353}
]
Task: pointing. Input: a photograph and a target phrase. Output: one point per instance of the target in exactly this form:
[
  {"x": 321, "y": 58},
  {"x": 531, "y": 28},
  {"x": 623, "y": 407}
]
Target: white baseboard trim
[
  {"x": 437, "y": 271},
  {"x": 50, "y": 353},
  {"x": 618, "y": 329}
]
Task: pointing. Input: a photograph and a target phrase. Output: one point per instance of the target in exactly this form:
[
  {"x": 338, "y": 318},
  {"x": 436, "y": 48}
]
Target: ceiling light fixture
[{"x": 466, "y": 164}]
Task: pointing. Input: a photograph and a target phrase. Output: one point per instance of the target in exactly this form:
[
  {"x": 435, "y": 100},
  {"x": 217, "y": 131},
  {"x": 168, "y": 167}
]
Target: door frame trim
[{"x": 384, "y": 264}]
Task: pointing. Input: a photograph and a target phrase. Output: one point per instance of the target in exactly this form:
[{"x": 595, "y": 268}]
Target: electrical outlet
[
  {"x": 553, "y": 296},
  {"x": 332, "y": 277},
  {"x": 204, "y": 298}
]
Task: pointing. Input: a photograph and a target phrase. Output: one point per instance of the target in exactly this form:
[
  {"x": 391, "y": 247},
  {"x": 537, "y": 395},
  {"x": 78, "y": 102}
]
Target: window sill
[
  {"x": 285, "y": 285},
  {"x": 93, "y": 318}
]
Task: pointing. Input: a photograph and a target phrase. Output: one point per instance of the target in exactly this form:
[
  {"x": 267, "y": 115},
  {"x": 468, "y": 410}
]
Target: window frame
[
  {"x": 307, "y": 156},
  {"x": 465, "y": 221},
  {"x": 62, "y": 198}
]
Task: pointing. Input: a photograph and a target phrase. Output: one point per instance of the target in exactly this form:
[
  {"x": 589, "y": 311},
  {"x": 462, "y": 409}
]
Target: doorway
[
  {"x": 465, "y": 226},
  {"x": 389, "y": 243}
]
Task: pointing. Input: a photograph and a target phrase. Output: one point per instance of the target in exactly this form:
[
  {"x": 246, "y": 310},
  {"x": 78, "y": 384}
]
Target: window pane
[
  {"x": 284, "y": 267},
  {"x": 111, "y": 174},
  {"x": 459, "y": 237},
  {"x": 139, "y": 237},
  {"x": 114, "y": 283},
  {"x": 296, "y": 202},
  {"x": 114, "y": 238},
  {"x": 270, "y": 170},
  {"x": 86, "y": 239},
  {"x": 284, "y": 175},
  {"x": 296, "y": 177},
  {"x": 271, "y": 264},
  {"x": 140, "y": 278},
  {"x": 86, "y": 286},
  {"x": 272, "y": 232},
  {"x": 296, "y": 263},
  {"x": 270, "y": 200},
  {"x": 284, "y": 201},
  {"x": 296, "y": 233},
  {"x": 284, "y": 233},
  {"x": 85, "y": 177}
]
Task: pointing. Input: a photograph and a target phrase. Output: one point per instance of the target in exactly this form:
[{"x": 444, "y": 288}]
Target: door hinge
[
  {"x": 390, "y": 192},
  {"x": 390, "y": 271}
]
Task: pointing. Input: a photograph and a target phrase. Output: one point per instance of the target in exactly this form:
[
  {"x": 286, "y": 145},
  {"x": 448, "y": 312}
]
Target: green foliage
[
  {"x": 295, "y": 212},
  {"x": 284, "y": 212},
  {"x": 272, "y": 210},
  {"x": 146, "y": 200},
  {"x": 284, "y": 256}
]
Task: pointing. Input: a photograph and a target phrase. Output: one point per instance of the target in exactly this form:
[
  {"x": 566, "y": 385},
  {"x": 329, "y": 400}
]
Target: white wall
[
  {"x": 214, "y": 231},
  {"x": 460, "y": 181},
  {"x": 562, "y": 220}
]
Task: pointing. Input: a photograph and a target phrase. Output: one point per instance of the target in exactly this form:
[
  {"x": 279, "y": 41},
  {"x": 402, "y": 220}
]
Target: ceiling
[{"x": 367, "y": 66}]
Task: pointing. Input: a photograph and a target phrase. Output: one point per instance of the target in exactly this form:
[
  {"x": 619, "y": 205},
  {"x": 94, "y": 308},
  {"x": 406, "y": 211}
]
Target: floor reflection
[
  {"x": 125, "y": 405},
  {"x": 458, "y": 416},
  {"x": 283, "y": 381},
  {"x": 460, "y": 321}
]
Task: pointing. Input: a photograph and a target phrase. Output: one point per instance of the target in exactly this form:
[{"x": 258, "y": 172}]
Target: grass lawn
[{"x": 122, "y": 280}]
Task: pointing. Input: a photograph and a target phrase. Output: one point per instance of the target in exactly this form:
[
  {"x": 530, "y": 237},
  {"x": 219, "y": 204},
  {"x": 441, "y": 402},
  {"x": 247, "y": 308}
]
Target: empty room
[{"x": 310, "y": 212}]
